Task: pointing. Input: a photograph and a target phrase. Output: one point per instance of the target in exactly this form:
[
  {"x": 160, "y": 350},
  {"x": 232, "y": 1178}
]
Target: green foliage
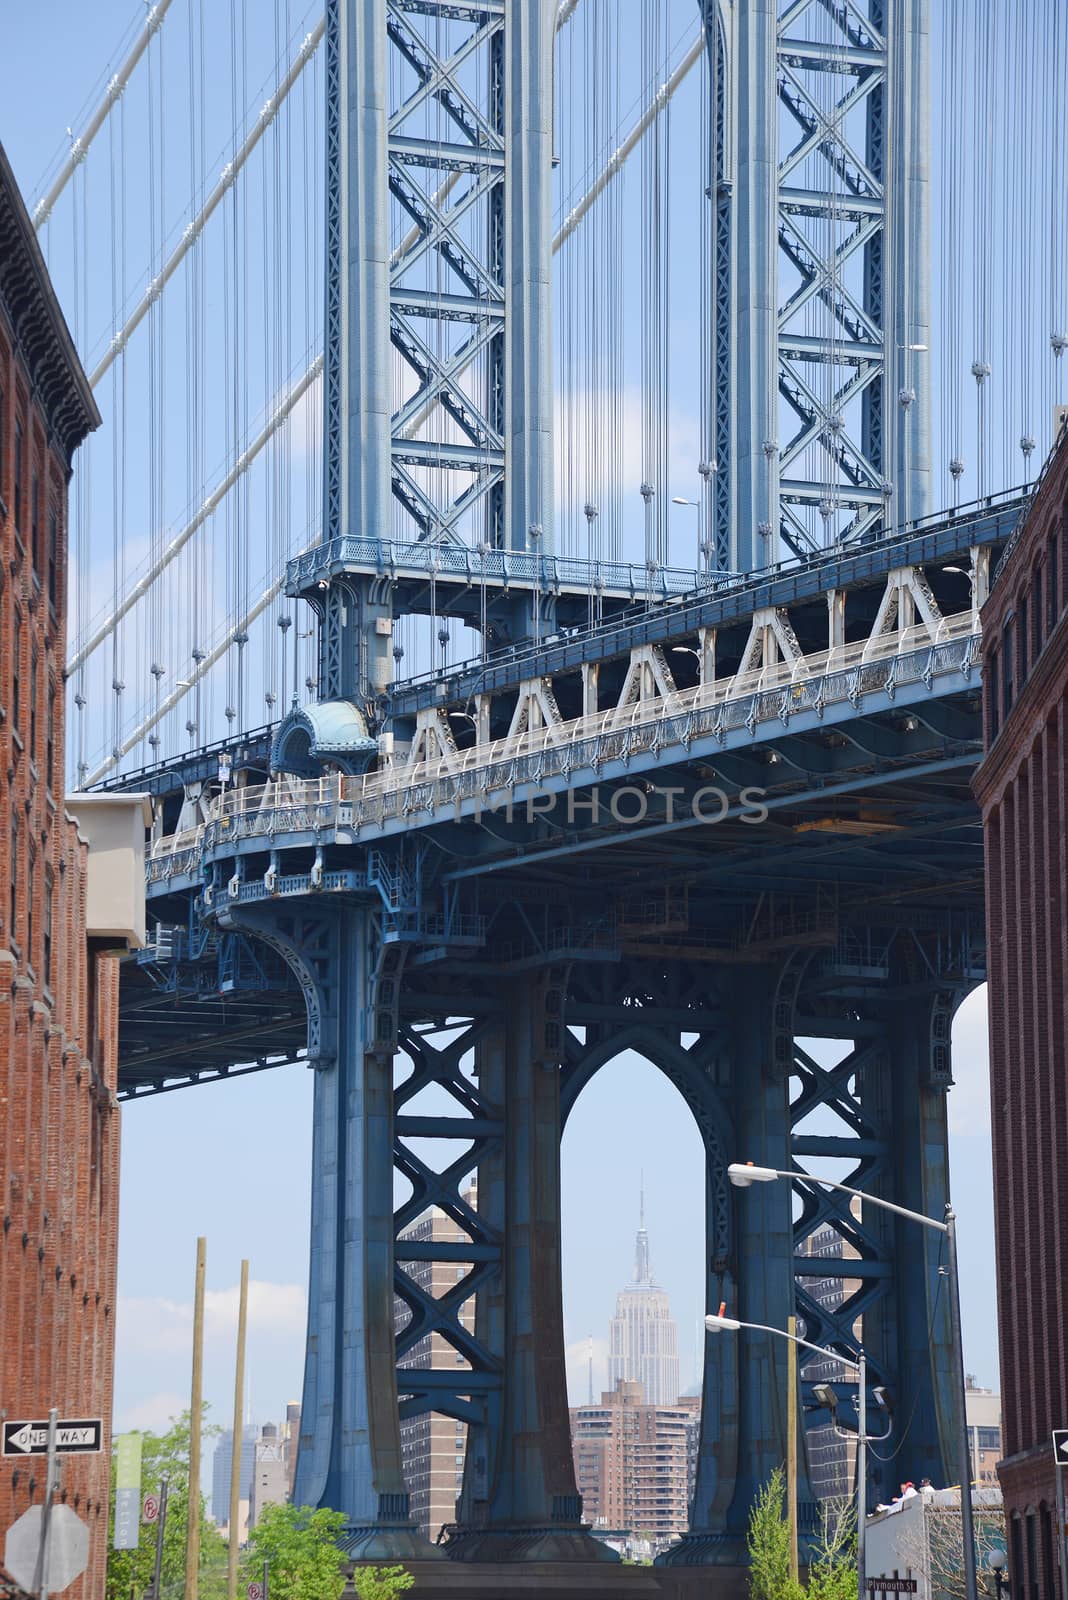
[
  {"x": 301, "y": 1549},
  {"x": 832, "y": 1569},
  {"x": 768, "y": 1544},
  {"x": 167, "y": 1455},
  {"x": 381, "y": 1583}
]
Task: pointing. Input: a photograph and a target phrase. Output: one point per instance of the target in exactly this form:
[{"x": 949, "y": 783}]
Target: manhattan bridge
[{"x": 554, "y": 460}]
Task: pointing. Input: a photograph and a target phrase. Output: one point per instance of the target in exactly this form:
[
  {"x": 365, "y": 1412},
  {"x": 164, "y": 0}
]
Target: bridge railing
[{"x": 775, "y": 692}]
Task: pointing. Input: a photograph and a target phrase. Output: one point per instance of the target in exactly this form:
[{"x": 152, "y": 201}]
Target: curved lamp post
[
  {"x": 720, "y": 1323},
  {"x": 743, "y": 1174}
]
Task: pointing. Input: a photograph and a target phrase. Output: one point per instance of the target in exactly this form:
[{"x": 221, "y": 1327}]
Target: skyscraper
[
  {"x": 643, "y": 1340},
  {"x": 220, "y": 1471}
]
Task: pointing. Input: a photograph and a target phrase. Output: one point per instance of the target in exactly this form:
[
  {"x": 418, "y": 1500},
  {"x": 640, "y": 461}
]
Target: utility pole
[
  {"x": 239, "y": 1439},
  {"x": 791, "y": 1444},
  {"x": 196, "y": 1406}
]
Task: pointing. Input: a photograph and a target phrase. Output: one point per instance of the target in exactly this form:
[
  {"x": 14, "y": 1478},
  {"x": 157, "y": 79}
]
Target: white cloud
[
  {"x": 577, "y": 1361},
  {"x": 275, "y": 1310},
  {"x": 153, "y": 1414},
  {"x": 969, "y": 1101}
]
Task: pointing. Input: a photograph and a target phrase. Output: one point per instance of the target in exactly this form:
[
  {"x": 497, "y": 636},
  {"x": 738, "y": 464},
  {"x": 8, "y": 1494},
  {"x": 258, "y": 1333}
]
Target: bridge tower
[{"x": 452, "y": 320}]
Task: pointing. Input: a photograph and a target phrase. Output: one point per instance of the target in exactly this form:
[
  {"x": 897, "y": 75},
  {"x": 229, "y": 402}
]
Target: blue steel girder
[
  {"x": 456, "y": 261},
  {"x": 465, "y": 1115},
  {"x": 846, "y": 228},
  {"x": 875, "y": 1283}
]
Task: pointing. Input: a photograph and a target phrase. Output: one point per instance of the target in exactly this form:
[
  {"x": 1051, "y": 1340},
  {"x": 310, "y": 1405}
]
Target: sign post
[
  {"x": 41, "y": 1575},
  {"x": 127, "y": 1491},
  {"x": 1060, "y": 1465},
  {"x": 161, "y": 1523}
]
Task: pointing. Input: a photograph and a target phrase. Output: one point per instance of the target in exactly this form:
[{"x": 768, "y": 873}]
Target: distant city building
[
  {"x": 983, "y": 1410},
  {"x": 291, "y": 1440},
  {"x": 643, "y": 1338},
  {"x": 432, "y": 1445},
  {"x": 270, "y": 1473},
  {"x": 633, "y": 1464},
  {"x": 691, "y": 1404},
  {"x": 831, "y": 1457},
  {"x": 220, "y": 1471}
]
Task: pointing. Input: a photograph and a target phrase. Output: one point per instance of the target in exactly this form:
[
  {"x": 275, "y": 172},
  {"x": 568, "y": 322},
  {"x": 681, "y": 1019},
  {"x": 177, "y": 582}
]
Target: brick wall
[
  {"x": 1022, "y": 787},
  {"x": 59, "y": 1124}
]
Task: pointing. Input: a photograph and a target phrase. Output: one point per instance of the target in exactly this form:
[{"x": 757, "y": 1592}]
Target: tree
[
  {"x": 832, "y": 1567},
  {"x": 381, "y": 1583},
  {"x": 167, "y": 1455},
  {"x": 301, "y": 1550},
  {"x": 768, "y": 1544}
]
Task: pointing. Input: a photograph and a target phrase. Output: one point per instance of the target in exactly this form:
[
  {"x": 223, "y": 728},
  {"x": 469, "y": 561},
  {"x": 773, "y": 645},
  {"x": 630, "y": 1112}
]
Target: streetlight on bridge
[
  {"x": 744, "y": 1174},
  {"x": 721, "y": 1323}
]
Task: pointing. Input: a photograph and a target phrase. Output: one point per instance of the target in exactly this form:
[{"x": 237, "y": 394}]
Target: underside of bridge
[{"x": 792, "y": 962}]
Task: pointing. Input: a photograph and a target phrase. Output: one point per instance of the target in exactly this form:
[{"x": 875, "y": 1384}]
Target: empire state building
[{"x": 643, "y": 1337}]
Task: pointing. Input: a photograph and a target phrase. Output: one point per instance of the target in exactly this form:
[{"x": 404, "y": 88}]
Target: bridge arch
[{"x": 690, "y": 1070}]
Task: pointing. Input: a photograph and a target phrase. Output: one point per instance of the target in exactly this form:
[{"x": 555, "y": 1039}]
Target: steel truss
[{"x": 833, "y": 421}]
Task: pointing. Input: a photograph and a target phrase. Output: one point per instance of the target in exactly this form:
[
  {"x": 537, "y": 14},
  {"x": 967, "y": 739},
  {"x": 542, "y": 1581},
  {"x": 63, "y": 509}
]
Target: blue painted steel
[{"x": 392, "y": 927}]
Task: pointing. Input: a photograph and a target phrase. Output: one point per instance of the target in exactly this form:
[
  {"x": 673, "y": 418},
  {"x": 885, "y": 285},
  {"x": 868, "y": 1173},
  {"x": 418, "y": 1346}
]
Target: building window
[
  {"x": 46, "y": 954},
  {"x": 1049, "y": 1568},
  {"x": 3, "y": 439},
  {"x": 1032, "y": 1558},
  {"x": 993, "y": 699},
  {"x": 989, "y": 1438},
  {"x": 35, "y": 521},
  {"x": 1052, "y": 609},
  {"x": 1021, "y": 644},
  {"x": 1037, "y": 614},
  {"x": 13, "y": 905},
  {"x": 1006, "y": 669},
  {"x": 50, "y": 741},
  {"x": 53, "y": 540},
  {"x": 16, "y": 509},
  {"x": 16, "y": 671},
  {"x": 33, "y": 705},
  {"x": 31, "y": 885}
]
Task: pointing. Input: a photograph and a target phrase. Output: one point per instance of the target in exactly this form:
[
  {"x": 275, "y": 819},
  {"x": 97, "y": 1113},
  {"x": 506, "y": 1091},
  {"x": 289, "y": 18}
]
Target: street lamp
[
  {"x": 720, "y": 1323},
  {"x": 743, "y": 1174},
  {"x": 997, "y": 1561}
]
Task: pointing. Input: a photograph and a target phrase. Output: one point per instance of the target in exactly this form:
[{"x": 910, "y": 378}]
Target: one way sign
[
  {"x": 1060, "y": 1446},
  {"x": 81, "y": 1436}
]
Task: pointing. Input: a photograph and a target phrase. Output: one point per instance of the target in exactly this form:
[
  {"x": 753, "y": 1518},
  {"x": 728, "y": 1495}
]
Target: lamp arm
[{"x": 869, "y": 1199}]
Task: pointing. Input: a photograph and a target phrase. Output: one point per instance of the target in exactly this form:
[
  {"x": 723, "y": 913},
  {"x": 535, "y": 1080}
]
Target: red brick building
[
  {"x": 1022, "y": 788},
  {"x": 59, "y": 1126}
]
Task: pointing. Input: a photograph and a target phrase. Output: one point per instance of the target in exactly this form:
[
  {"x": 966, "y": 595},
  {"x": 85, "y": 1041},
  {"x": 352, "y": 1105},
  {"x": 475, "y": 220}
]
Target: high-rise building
[
  {"x": 831, "y": 1456},
  {"x": 64, "y": 915},
  {"x": 982, "y": 1408},
  {"x": 643, "y": 1338},
  {"x": 221, "y": 1463},
  {"x": 270, "y": 1475},
  {"x": 1021, "y": 789},
  {"x": 432, "y": 1445},
  {"x": 633, "y": 1464},
  {"x": 291, "y": 1441}
]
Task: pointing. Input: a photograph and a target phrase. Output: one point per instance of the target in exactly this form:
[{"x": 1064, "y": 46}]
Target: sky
[{"x": 230, "y": 1161}]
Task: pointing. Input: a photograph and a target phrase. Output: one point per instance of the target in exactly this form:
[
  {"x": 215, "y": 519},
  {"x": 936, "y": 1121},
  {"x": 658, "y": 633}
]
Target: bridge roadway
[{"x": 734, "y": 834}]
